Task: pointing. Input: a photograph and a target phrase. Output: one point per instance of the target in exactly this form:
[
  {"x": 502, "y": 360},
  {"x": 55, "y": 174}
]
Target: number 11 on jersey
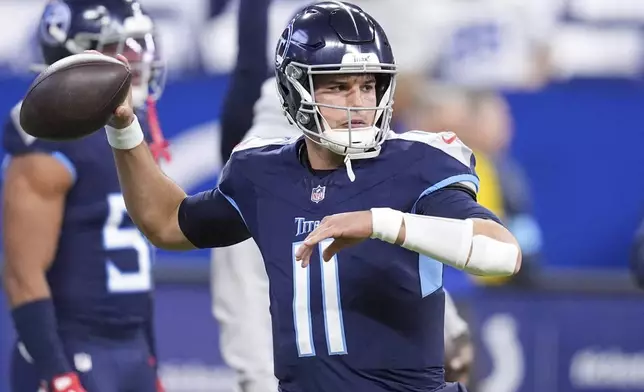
[{"x": 331, "y": 305}]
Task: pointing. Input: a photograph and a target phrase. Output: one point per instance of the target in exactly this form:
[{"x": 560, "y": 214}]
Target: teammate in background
[
  {"x": 77, "y": 271},
  {"x": 250, "y": 71},
  {"x": 239, "y": 284},
  {"x": 354, "y": 222}
]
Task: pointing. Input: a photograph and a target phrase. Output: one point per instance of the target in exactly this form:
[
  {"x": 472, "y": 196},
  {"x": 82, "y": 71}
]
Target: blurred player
[
  {"x": 77, "y": 271},
  {"x": 239, "y": 283},
  {"x": 349, "y": 312}
]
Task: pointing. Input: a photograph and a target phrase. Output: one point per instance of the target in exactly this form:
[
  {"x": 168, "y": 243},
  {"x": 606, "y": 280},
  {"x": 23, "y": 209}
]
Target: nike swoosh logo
[{"x": 449, "y": 140}]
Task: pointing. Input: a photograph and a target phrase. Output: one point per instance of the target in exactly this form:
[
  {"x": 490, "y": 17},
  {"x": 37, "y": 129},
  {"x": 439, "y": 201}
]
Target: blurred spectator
[{"x": 483, "y": 121}]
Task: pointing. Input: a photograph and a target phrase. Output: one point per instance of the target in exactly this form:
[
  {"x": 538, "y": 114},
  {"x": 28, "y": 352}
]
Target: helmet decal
[
  {"x": 55, "y": 23},
  {"x": 283, "y": 45}
]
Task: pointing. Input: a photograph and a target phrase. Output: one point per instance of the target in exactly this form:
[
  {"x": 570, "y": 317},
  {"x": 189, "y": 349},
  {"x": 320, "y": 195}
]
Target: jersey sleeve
[
  {"x": 209, "y": 220},
  {"x": 214, "y": 218},
  {"x": 456, "y": 202},
  {"x": 17, "y": 142}
]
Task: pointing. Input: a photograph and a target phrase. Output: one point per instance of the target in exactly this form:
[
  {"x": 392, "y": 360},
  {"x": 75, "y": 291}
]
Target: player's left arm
[
  {"x": 448, "y": 226},
  {"x": 465, "y": 234},
  {"x": 247, "y": 77}
]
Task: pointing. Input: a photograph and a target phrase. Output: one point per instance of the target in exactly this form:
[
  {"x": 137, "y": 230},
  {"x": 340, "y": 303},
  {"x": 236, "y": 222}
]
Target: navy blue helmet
[
  {"x": 333, "y": 37},
  {"x": 70, "y": 27}
]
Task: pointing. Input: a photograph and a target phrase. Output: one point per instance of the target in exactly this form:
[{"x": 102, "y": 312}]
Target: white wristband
[
  {"x": 126, "y": 138},
  {"x": 386, "y": 224}
]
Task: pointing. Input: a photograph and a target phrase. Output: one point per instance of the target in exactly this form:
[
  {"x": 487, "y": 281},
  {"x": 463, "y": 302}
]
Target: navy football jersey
[
  {"x": 371, "y": 318},
  {"x": 100, "y": 277}
]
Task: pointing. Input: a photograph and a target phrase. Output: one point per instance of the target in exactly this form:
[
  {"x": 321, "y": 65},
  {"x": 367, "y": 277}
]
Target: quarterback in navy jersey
[
  {"x": 354, "y": 222},
  {"x": 77, "y": 271}
]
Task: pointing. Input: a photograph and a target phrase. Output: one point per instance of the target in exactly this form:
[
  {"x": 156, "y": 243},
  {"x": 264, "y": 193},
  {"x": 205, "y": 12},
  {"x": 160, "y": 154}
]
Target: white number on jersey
[
  {"x": 117, "y": 238},
  {"x": 332, "y": 308}
]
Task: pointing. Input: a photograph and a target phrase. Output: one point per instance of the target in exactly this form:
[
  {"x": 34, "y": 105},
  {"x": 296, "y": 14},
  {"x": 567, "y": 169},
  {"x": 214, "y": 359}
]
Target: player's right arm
[
  {"x": 159, "y": 207},
  {"x": 166, "y": 215}
]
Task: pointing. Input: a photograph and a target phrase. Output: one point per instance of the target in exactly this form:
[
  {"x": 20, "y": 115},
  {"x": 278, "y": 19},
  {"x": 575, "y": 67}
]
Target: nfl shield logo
[{"x": 317, "y": 195}]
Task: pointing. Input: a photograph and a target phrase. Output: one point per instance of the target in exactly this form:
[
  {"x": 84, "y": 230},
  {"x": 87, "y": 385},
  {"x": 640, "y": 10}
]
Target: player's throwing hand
[
  {"x": 347, "y": 229},
  {"x": 124, "y": 114}
]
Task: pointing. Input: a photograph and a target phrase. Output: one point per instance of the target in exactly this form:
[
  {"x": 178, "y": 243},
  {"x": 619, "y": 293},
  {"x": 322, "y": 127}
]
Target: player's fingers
[
  {"x": 303, "y": 255},
  {"x": 322, "y": 226},
  {"x": 93, "y": 52},
  {"x": 319, "y": 234},
  {"x": 124, "y": 111},
  {"x": 306, "y": 258},
  {"x": 122, "y": 59},
  {"x": 333, "y": 249},
  {"x": 301, "y": 250}
]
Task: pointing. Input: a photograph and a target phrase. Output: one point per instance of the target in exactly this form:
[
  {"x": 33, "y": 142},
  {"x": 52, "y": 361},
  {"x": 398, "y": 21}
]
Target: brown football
[{"x": 74, "y": 97}]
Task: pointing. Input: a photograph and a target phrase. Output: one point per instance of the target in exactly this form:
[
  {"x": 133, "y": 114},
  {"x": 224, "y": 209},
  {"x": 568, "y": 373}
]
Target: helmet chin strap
[
  {"x": 347, "y": 163},
  {"x": 331, "y": 142}
]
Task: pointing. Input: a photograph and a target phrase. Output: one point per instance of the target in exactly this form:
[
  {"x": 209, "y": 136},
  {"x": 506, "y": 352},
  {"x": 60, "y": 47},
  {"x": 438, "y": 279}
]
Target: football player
[
  {"x": 240, "y": 285},
  {"x": 77, "y": 271}
]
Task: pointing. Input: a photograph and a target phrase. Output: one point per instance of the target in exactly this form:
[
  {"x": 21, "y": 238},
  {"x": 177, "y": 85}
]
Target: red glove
[
  {"x": 67, "y": 382},
  {"x": 152, "y": 361},
  {"x": 160, "y": 386}
]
